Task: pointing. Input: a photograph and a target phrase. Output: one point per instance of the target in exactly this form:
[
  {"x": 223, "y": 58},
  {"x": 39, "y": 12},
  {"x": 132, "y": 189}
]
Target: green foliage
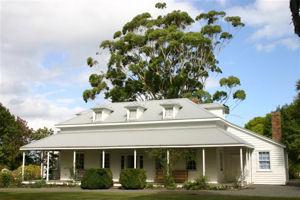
[
  {"x": 133, "y": 178},
  {"x": 290, "y": 124},
  {"x": 174, "y": 156},
  {"x": 31, "y": 172},
  {"x": 6, "y": 178},
  {"x": 260, "y": 125},
  {"x": 149, "y": 186},
  {"x": 169, "y": 182},
  {"x": 160, "y": 5},
  {"x": 198, "y": 184},
  {"x": 14, "y": 134},
  {"x": 41, "y": 133},
  {"x": 97, "y": 179},
  {"x": 160, "y": 58},
  {"x": 229, "y": 84},
  {"x": 38, "y": 184}
]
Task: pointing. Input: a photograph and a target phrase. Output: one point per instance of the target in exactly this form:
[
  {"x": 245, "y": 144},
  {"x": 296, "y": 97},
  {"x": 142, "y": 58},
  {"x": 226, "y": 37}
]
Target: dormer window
[
  {"x": 170, "y": 110},
  {"x": 169, "y": 113},
  {"x": 132, "y": 114},
  {"x": 101, "y": 113},
  {"x": 134, "y": 111},
  {"x": 98, "y": 116}
]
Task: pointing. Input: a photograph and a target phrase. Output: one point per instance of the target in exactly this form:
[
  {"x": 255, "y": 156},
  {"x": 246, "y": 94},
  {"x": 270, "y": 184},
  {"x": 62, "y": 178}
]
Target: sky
[{"x": 44, "y": 46}]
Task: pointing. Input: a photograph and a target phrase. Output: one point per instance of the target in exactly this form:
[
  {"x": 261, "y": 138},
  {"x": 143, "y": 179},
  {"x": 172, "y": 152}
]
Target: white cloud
[
  {"x": 212, "y": 82},
  {"x": 38, "y": 110},
  {"x": 271, "y": 21},
  {"x": 31, "y": 30}
]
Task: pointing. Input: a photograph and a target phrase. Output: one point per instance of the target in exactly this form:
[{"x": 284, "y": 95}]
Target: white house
[{"x": 119, "y": 135}]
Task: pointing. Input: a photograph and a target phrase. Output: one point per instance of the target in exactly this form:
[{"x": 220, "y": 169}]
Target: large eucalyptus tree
[{"x": 168, "y": 56}]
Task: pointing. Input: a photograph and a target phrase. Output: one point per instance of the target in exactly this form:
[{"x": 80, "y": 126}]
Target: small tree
[
  {"x": 175, "y": 155},
  {"x": 161, "y": 58}
]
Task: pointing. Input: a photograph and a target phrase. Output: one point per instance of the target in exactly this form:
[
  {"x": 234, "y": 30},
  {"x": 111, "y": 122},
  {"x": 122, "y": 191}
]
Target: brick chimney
[{"x": 276, "y": 126}]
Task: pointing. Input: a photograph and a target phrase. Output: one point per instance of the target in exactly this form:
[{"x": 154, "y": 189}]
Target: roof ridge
[
  {"x": 200, "y": 108},
  {"x": 234, "y": 137}
]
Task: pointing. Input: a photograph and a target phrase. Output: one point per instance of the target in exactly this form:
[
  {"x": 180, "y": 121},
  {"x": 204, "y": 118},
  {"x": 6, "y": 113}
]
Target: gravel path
[{"x": 265, "y": 190}]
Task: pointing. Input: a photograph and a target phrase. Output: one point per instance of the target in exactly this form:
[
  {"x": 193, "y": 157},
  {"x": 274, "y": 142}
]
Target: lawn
[{"x": 38, "y": 195}]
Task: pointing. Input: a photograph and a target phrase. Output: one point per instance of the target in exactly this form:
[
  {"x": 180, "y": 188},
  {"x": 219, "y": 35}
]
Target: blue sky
[{"x": 44, "y": 46}]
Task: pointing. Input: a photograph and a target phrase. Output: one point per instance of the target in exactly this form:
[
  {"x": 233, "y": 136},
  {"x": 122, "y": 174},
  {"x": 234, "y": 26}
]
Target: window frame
[
  {"x": 141, "y": 162},
  {"x": 98, "y": 116},
  {"x": 130, "y": 112},
  {"x": 188, "y": 165},
  {"x": 171, "y": 111},
  {"x": 123, "y": 165},
  {"x": 77, "y": 161},
  {"x": 258, "y": 161},
  {"x": 128, "y": 162}
]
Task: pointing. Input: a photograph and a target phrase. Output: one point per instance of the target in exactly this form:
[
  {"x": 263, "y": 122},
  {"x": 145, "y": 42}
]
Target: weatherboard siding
[{"x": 277, "y": 174}]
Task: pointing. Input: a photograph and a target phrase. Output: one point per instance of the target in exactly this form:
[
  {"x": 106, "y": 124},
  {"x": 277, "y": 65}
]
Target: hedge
[
  {"x": 97, "y": 179},
  {"x": 133, "y": 178}
]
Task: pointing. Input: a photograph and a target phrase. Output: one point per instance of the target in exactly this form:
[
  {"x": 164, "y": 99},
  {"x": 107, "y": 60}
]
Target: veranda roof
[{"x": 150, "y": 138}]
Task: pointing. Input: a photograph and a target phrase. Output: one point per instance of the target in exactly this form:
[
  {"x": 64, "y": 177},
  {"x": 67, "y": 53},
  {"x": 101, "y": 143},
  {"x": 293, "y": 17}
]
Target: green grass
[{"x": 38, "y": 195}]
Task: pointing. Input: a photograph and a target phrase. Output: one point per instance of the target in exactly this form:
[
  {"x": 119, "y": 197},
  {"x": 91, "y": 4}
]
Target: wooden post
[
  {"x": 103, "y": 159},
  {"x": 74, "y": 164},
  {"x": 203, "y": 162},
  {"x": 134, "y": 161},
  {"x": 23, "y": 166},
  {"x": 42, "y": 164},
  {"x": 251, "y": 166},
  {"x": 48, "y": 158},
  {"x": 168, "y": 162},
  {"x": 241, "y": 165}
]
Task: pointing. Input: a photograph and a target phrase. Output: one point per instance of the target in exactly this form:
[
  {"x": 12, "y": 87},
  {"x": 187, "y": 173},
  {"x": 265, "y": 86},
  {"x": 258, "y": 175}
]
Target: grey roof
[
  {"x": 153, "y": 111},
  {"x": 179, "y": 137}
]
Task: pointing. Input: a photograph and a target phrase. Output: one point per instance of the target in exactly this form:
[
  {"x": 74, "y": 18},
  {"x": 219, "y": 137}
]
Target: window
[
  {"x": 158, "y": 164},
  {"x": 264, "y": 160},
  {"x": 132, "y": 114},
  {"x": 141, "y": 162},
  {"x": 168, "y": 113},
  {"x": 122, "y": 162},
  {"x": 191, "y": 165},
  {"x": 130, "y": 161},
  {"x": 98, "y": 116},
  {"x": 106, "y": 160},
  {"x": 79, "y": 161}
]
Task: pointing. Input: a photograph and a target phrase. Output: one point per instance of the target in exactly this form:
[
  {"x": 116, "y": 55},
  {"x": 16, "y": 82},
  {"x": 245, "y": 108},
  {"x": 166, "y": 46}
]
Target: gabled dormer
[
  {"x": 101, "y": 113},
  {"x": 170, "y": 110},
  {"x": 134, "y": 112}
]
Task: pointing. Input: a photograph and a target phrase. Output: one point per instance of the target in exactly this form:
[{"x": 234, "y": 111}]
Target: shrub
[
  {"x": 97, "y": 179},
  {"x": 2, "y": 167},
  {"x": 169, "y": 182},
  {"x": 133, "y": 178},
  {"x": 31, "y": 172},
  {"x": 149, "y": 186},
  {"x": 198, "y": 184},
  {"x": 38, "y": 184},
  {"x": 6, "y": 178}
]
